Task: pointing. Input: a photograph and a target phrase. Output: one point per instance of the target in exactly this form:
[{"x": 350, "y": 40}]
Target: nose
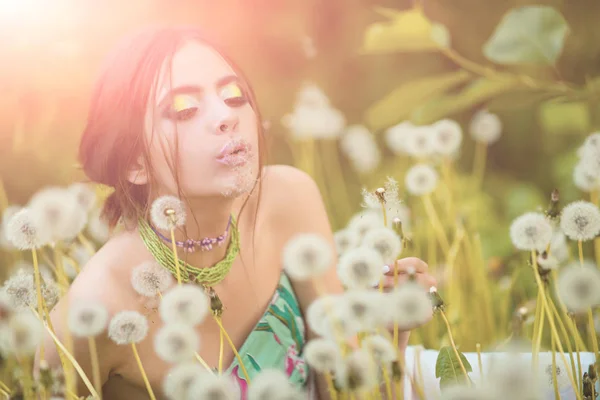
[{"x": 226, "y": 125}]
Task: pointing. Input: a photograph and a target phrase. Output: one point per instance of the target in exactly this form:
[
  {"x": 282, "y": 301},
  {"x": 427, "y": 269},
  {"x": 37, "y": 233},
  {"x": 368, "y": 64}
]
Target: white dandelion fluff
[
  {"x": 410, "y": 305},
  {"x": 580, "y": 220},
  {"x": 187, "y": 304},
  {"x": 346, "y": 239},
  {"x": 485, "y": 127},
  {"x": 24, "y": 233},
  {"x": 380, "y": 348},
  {"x": 393, "y": 205},
  {"x": 356, "y": 372},
  {"x": 271, "y": 384},
  {"x": 363, "y": 307},
  {"x": 319, "y": 122},
  {"x": 511, "y": 377},
  {"x": 420, "y": 143},
  {"x": 531, "y": 231},
  {"x": 128, "y": 327},
  {"x": 87, "y": 318},
  {"x": 318, "y": 312},
  {"x": 56, "y": 211},
  {"x": 364, "y": 221},
  {"x": 396, "y": 136},
  {"x": 213, "y": 387},
  {"x": 97, "y": 226},
  {"x": 585, "y": 177},
  {"x": 359, "y": 146},
  {"x": 179, "y": 379},
  {"x": 84, "y": 195},
  {"x": 322, "y": 354},
  {"x": 307, "y": 256},
  {"x": 386, "y": 241},
  {"x": 150, "y": 278},
  {"x": 311, "y": 95},
  {"x": 8, "y": 213},
  {"x": 578, "y": 286},
  {"x": 167, "y": 212},
  {"x": 421, "y": 179},
  {"x": 360, "y": 267},
  {"x": 447, "y": 138},
  {"x": 21, "y": 290},
  {"x": 548, "y": 262},
  {"x": 559, "y": 247},
  {"x": 175, "y": 343},
  {"x": 24, "y": 334}
]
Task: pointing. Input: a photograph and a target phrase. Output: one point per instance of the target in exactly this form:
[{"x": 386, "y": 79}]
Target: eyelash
[{"x": 190, "y": 112}]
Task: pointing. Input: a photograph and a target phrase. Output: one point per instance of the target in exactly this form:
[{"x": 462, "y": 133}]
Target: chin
[{"x": 240, "y": 182}]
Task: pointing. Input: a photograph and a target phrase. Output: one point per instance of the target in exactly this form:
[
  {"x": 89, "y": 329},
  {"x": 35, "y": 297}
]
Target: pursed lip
[{"x": 235, "y": 152}]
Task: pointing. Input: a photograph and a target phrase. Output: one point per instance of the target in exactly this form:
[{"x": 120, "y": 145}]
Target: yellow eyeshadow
[
  {"x": 232, "y": 90},
  {"x": 182, "y": 102}
]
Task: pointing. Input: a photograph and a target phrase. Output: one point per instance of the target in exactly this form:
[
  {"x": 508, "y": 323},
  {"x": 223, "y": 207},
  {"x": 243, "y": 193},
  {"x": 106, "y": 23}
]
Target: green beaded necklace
[{"x": 207, "y": 277}]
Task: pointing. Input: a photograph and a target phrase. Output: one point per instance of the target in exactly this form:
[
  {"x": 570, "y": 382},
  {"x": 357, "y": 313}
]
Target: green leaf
[
  {"x": 398, "y": 105},
  {"x": 564, "y": 117},
  {"x": 404, "y": 31},
  {"x": 447, "y": 367},
  {"x": 477, "y": 92},
  {"x": 528, "y": 35}
]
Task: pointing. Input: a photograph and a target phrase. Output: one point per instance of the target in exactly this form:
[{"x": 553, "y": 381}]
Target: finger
[
  {"x": 424, "y": 280},
  {"x": 405, "y": 265}
]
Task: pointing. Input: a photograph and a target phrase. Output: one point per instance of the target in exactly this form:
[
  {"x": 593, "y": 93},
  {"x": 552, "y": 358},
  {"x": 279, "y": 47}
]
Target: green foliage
[
  {"x": 565, "y": 117},
  {"x": 400, "y": 103},
  {"x": 447, "y": 368},
  {"x": 528, "y": 35}
]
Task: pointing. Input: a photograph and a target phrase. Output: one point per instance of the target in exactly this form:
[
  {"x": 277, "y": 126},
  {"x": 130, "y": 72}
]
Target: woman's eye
[
  {"x": 233, "y": 95},
  {"x": 182, "y": 108}
]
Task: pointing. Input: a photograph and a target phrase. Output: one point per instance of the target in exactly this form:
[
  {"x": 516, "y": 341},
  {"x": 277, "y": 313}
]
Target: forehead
[{"x": 194, "y": 64}]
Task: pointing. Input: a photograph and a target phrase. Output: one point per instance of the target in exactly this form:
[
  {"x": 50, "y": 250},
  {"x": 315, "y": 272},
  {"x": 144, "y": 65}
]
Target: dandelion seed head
[
  {"x": 8, "y": 213},
  {"x": 355, "y": 372},
  {"x": 485, "y": 127},
  {"x": 23, "y": 232},
  {"x": 56, "y": 211},
  {"x": 531, "y": 231},
  {"x": 178, "y": 381},
  {"x": 360, "y": 268},
  {"x": 363, "y": 308},
  {"x": 270, "y": 384},
  {"x": 175, "y": 343},
  {"x": 420, "y": 142},
  {"x": 307, "y": 256},
  {"x": 580, "y": 220},
  {"x": 167, "y": 212},
  {"x": 396, "y": 136},
  {"x": 364, "y": 221},
  {"x": 562, "y": 379},
  {"x": 311, "y": 95},
  {"x": 447, "y": 138},
  {"x": 322, "y": 354},
  {"x": 548, "y": 262},
  {"x": 585, "y": 177},
  {"x": 359, "y": 146},
  {"x": 97, "y": 226},
  {"x": 84, "y": 195},
  {"x": 23, "y": 335},
  {"x": 579, "y": 286},
  {"x": 150, "y": 278},
  {"x": 317, "y": 313},
  {"x": 559, "y": 247},
  {"x": 314, "y": 121},
  {"x": 128, "y": 327},
  {"x": 410, "y": 305},
  {"x": 214, "y": 387},
  {"x": 187, "y": 304},
  {"x": 380, "y": 348},
  {"x": 345, "y": 240},
  {"x": 421, "y": 179},
  {"x": 87, "y": 318},
  {"x": 386, "y": 241},
  {"x": 20, "y": 290},
  {"x": 511, "y": 376}
]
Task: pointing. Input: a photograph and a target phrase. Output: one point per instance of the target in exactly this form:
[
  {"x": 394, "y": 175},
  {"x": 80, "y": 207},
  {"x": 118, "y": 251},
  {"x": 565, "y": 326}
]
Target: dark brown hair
[{"x": 113, "y": 138}]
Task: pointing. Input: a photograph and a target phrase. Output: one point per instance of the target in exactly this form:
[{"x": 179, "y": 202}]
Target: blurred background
[{"x": 380, "y": 62}]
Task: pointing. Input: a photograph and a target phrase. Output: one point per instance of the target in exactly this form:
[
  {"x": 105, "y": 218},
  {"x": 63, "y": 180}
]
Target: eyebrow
[{"x": 187, "y": 89}]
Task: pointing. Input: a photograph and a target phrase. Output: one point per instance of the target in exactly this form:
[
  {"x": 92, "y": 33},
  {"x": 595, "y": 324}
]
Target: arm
[{"x": 299, "y": 208}]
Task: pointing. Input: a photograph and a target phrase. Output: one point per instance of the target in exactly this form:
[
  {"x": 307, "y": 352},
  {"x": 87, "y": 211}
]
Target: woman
[{"x": 171, "y": 115}]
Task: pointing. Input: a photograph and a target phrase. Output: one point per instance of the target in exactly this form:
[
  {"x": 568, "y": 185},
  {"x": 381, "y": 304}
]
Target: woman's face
[{"x": 205, "y": 105}]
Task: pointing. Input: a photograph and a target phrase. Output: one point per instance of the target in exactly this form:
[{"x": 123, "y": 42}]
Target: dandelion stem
[
  {"x": 74, "y": 362},
  {"x": 395, "y": 337},
  {"x": 38, "y": 290},
  {"x": 538, "y": 333},
  {"x": 95, "y": 365},
  {"x": 591, "y": 332},
  {"x": 479, "y": 164},
  {"x": 3, "y": 197},
  {"x": 388, "y": 383},
  {"x": 141, "y": 367},
  {"x": 221, "y": 350},
  {"x": 579, "y": 377},
  {"x": 237, "y": 355},
  {"x": 203, "y": 363},
  {"x": 435, "y": 220},
  {"x": 175, "y": 255},
  {"x": 332, "y": 392},
  {"x": 462, "y": 366},
  {"x": 554, "y": 380},
  {"x": 551, "y": 320},
  {"x": 4, "y": 387},
  {"x": 573, "y": 331},
  {"x": 86, "y": 243}
]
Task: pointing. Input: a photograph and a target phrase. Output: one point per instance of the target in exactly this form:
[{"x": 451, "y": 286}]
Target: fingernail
[{"x": 386, "y": 269}]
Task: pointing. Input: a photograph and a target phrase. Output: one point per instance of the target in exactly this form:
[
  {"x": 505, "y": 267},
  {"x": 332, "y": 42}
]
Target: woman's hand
[{"x": 406, "y": 267}]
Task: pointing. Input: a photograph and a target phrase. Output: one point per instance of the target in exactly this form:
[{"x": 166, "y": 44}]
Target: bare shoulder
[{"x": 290, "y": 192}]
